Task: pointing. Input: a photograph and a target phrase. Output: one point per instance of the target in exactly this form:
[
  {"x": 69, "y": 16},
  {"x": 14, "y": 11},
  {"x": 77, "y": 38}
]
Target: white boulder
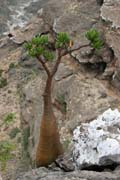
[{"x": 98, "y": 142}]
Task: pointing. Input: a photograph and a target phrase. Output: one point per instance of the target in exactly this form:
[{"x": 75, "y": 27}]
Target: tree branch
[
  {"x": 75, "y": 49},
  {"x": 55, "y": 68},
  {"x": 44, "y": 65},
  {"x": 58, "y": 59}
]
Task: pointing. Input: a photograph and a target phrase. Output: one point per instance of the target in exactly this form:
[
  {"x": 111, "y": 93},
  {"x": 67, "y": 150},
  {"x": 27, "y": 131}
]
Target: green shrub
[
  {"x": 5, "y": 153},
  {"x": 1, "y": 71},
  {"x": 12, "y": 65},
  {"x": 10, "y": 117},
  {"x": 3, "y": 82}
]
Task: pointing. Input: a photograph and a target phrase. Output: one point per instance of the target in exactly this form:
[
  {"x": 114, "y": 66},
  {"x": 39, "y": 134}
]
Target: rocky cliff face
[{"x": 83, "y": 85}]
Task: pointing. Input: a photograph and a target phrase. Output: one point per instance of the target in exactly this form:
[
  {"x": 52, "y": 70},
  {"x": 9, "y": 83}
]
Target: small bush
[
  {"x": 1, "y": 71},
  {"x": 11, "y": 66},
  {"x": 9, "y": 118},
  {"x": 3, "y": 82},
  {"x": 5, "y": 153}
]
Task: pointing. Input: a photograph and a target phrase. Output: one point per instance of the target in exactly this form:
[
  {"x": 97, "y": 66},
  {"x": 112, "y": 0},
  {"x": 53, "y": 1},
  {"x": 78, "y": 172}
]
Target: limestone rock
[{"x": 98, "y": 142}]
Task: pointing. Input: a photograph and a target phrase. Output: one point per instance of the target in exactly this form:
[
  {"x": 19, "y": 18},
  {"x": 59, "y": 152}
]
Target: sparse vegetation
[
  {"x": 6, "y": 149},
  {"x": 1, "y": 71},
  {"x": 10, "y": 117},
  {"x": 12, "y": 65},
  {"x": 3, "y": 82}
]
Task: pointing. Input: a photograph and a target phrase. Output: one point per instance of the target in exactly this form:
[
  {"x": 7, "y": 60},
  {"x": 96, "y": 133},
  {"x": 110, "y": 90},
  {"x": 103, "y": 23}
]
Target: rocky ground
[
  {"x": 46, "y": 174},
  {"x": 83, "y": 87}
]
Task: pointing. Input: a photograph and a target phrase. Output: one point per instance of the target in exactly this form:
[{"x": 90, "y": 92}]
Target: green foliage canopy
[{"x": 38, "y": 46}]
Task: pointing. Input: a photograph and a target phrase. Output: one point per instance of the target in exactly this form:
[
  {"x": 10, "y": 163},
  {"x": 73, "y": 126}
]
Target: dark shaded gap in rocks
[
  {"x": 99, "y": 67},
  {"x": 100, "y": 2},
  {"x": 112, "y": 53},
  {"x": 97, "y": 168}
]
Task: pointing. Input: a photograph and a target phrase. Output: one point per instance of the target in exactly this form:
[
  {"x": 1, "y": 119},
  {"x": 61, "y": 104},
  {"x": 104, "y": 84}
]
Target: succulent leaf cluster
[
  {"x": 62, "y": 40},
  {"x": 94, "y": 37}
]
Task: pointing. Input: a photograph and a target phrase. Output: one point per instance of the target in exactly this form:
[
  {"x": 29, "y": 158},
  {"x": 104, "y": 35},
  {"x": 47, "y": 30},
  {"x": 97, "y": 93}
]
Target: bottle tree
[{"x": 49, "y": 146}]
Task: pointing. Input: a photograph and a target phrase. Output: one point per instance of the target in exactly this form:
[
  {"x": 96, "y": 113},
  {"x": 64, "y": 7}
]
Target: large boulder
[{"x": 98, "y": 142}]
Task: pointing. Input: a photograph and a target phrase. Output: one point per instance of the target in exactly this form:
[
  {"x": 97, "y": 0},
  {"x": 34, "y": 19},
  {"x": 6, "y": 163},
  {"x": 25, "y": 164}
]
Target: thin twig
[{"x": 75, "y": 49}]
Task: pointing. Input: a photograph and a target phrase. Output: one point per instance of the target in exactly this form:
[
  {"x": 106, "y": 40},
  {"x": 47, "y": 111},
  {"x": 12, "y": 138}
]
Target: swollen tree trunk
[{"x": 49, "y": 146}]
